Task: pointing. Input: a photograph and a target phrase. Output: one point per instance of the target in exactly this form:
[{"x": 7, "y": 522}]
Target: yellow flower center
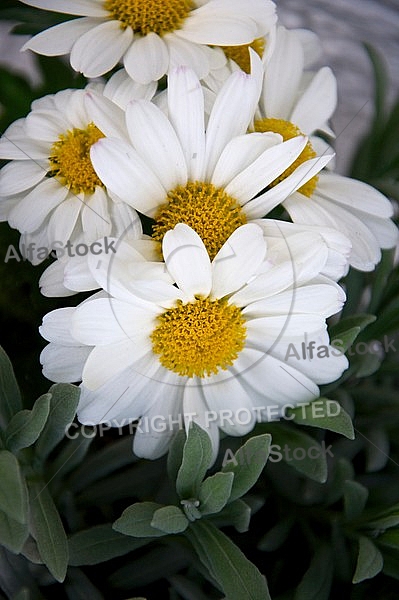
[
  {"x": 145, "y": 16},
  {"x": 70, "y": 159},
  {"x": 212, "y": 213},
  {"x": 288, "y": 130},
  {"x": 199, "y": 338},
  {"x": 240, "y": 54}
]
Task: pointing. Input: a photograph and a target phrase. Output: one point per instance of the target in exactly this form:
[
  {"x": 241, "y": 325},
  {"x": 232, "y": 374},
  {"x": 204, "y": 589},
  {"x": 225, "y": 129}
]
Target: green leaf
[
  {"x": 100, "y": 544},
  {"x": 385, "y": 519},
  {"x": 215, "y": 493},
  {"x": 390, "y": 539},
  {"x": 299, "y": 450},
  {"x": 136, "y": 520},
  {"x": 10, "y": 395},
  {"x": 63, "y": 405},
  {"x": 360, "y": 321},
  {"x": 277, "y": 535},
  {"x": 369, "y": 561},
  {"x": 13, "y": 535},
  {"x": 355, "y": 498},
  {"x": 316, "y": 583},
  {"x": 48, "y": 531},
  {"x": 237, "y": 514},
  {"x": 247, "y": 464},
  {"x": 175, "y": 454},
  {"x": 324, "y": 414},
  {"x": 26, "y": 426},
  {"x": 235, "y": 574},
  {"x": 197, "y": 457},
  {"x": 169, "y": 519},
  {"x": 23, "y": 594},
  {"x": 345, "y": 339},
  {"x": 13, "y": 492}
]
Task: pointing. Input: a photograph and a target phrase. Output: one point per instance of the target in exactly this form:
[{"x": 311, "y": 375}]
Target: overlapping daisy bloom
[
  {"x": 293, "y": 102},
  {"x": 176, "y": 171},
  {"x": 151, "y": 36},
  {"x": 212, "y": 337},
  {"x": 50, "y": 169}
]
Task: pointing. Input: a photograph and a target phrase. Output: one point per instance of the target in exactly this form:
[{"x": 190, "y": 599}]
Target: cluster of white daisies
[{"x": 197, "y": 317}]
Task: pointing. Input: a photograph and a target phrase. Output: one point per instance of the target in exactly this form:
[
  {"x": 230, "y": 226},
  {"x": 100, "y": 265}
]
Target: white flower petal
[
  {"x": 238, "y": 260},
  {"x": 32, "y": 210},
  {"x": 22, "y": 148},
  {"x": 121, "y": 89},
  {"x": 317, "y": 103},
  {"x": 63, "y": 364},
  {"x": 17, "y": 177},
  {"x": 108, "y": 117},
  {"x": 100, "y": 49},
  {"x": 70, "y": 7},
  {"x": 187, "y": 261},
  {"x": 122, "y": 170},
  {"x": 96, "y": 222},
  {"x": 59, "y": 39},
  {"x": 56, "y": 327},
  {"x": 231, "y": 114},
  {"x": 45, "y": 125},
  {"x": 155, "y": 140},
  {"x": 186, "y": 113},
  {"x": 147, "y": 58},
  {"x": 183, "y": 53},
  {"x": 63, "y": 219},
  {"x": 194, "y": 410}
]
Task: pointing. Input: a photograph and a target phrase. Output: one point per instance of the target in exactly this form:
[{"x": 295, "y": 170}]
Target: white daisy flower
[
  {"x": 50, "y": 169},
  {"x": 214, "y": 338},
  {"x": 174, "y": 171},
  {"x": 150, "y": 35},
  {"x": 295, "y": 102}
]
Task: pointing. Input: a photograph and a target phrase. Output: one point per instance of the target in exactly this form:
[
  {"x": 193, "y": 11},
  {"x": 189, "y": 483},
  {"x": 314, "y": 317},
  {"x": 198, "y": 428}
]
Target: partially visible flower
[
  {"x": 49, "y": 190},
  {"x": 214, "y": 338},
  {"x": 176, "y": 170},
  {"x": 152, "y": 36}
]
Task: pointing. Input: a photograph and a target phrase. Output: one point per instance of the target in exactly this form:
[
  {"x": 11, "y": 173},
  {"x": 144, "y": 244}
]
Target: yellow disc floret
[
  {"x": 145, "y": 16},
  {"x": 212, "y": 213},
  {"x": 288, "y": 130},
  {"x": 70, "y": 159},
  {"x": 241, "y": 56},
  {"x": 199, "y": 338}
]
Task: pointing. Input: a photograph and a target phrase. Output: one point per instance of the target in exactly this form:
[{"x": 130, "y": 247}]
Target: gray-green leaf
[
  {"x": 369, "y": 561},
  {"x": 197, "y": 456},
  {"x": 355, "y": 498},
  {"x": 247, "y": 465},
  {"x": 169, "y": 519},
  {"x": 13, "y": 492},
  {"x": 316, "y": 583},
  {"x": 215, "y": 492},
  {"x": 324, "y": 414},
  {"x": 26, "y": 426},
  {"x": 99, "y": 544},
  {"x": 10, "y": 395},
  {"x": 63, "y": 405},
  {"x": 13, "y": 535},
  {"x": 136, "y": 520},
  {"x": 235, "y": 574},
  {"x": 48, "y": 531}
]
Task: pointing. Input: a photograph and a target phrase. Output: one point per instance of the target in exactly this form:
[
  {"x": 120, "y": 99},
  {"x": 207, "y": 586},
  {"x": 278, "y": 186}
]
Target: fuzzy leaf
[
  {"x": 26, "y": 426},
  {"x": 369, "y": 561},
  {"x": 355, "y": 498},
  {"x": 247, "y": 464},
  {"x": 13, "y": 492},
  {"x": 10, "y": 395},
  {"x": 215, "y": 493},
  {"x": 197, "y": 456},
  {"x": 169, "y": 519},
  {"x": 324, "y": 414},
  {"x": 136, "y": 520}
]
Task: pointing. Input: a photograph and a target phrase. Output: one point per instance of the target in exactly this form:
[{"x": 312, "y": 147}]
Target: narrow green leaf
[
  {"x": 169, "y": 519},
  {"x": 324, "y": 414},
  {"x": 277, "y": 535},
  {"x": 13, "y": 492},
  {"x": 23, "y": 594},
  {"x": 136, "y": 520},
  {"x": 10, "y": 395},
  {"x": 298, "y": 450},
  {"x": 247, "y": 464},
  {"x": 345, "y": 339},
  {"x": 390, "y": 539},
  {"x": 316, "y": 583},
  {"x": 48, "y": 531},
  {"x": 26, "y": 426},
  {"x": 369, "y": 561},
  {"x": 235, "y": 574},
  {"x": 13, "y": 535},
  {"x": 348, "y": 323},
  {"x": 63, "y": 405},
  {"x": 100, "y": 544},
  {"x": 355, "y": 498},
  {"x": 215, "y": 493},
  {"x": 236, "y": 514},
  {"x": 175, "y": 454},
  {"x": 385, "y": 519},
  {"x": 197, "y": 456}
]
